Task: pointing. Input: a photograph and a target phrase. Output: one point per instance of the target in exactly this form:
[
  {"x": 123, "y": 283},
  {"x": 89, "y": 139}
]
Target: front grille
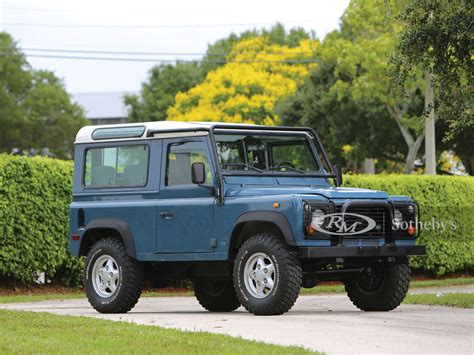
[{"x": 378, "y": 214}]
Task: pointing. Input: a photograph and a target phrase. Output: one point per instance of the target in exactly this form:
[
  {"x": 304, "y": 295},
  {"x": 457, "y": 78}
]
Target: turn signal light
[
  {"x": 411, "y": 231},
  {"x": 75, "y": 237},
  {"x": 310, "y": 230}
]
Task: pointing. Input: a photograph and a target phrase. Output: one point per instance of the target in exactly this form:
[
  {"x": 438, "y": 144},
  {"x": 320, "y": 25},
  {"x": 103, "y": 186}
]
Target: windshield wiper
[
  {"x": 244, "y": 165},
  {"x": 286, "y": 167}
]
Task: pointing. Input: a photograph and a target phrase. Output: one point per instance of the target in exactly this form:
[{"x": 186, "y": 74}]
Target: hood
[{"x": 330, "y": 193}]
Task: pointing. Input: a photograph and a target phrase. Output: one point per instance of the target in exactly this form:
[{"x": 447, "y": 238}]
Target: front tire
[
  {"x": 113, "y": 281},
  {"x": 382, "y": 288},
  {"x": 216, "y": 295},
  {"x": 267, "y": 275}
]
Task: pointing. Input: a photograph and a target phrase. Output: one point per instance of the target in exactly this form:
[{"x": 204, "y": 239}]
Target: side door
[{"x": 185, "y": 211}]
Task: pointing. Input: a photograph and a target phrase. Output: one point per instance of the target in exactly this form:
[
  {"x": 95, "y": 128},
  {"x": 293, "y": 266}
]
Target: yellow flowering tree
[{"x": 247, "y": 88}]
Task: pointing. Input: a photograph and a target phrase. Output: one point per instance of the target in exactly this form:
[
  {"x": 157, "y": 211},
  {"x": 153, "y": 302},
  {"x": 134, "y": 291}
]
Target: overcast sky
[{"x": 181, "y": 26}]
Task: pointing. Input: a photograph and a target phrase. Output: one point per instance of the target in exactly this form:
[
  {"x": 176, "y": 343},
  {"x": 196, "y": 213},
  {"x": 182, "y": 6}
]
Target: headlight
[
  {"x": 317, "y": 219},
  {"x": 397, "y": 218},
  {"x": 307, "y": 207},
  {"x": 411, "y": 209}
]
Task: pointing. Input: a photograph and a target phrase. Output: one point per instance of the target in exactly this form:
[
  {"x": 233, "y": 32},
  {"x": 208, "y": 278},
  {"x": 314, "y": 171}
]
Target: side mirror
[
  {"x": 338, "y": 171},
  {"x": 198, "y": 173}
]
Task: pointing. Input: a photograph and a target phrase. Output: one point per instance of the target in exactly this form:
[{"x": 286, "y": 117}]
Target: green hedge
[
  {"x": 35, "y": 194},
  {"x": 447, "y": 199}
]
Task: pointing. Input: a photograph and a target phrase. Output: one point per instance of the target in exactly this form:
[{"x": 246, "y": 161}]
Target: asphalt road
[{"x": 328, "y": 323}]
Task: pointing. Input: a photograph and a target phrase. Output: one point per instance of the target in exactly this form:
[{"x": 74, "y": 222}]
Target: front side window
[
  {"x": 265, "y": 153},
  {"x": 179, "y": 159},
  {"x": 125, "y": 166}
]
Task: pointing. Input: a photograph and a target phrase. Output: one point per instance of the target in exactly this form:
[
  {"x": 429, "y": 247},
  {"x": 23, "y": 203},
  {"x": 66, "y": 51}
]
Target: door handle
[{"x": 166, "y": 215}]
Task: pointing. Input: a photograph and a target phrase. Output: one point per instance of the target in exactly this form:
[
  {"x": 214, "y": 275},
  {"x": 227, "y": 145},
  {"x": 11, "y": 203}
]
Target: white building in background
[{"x": 103, "y": 107}]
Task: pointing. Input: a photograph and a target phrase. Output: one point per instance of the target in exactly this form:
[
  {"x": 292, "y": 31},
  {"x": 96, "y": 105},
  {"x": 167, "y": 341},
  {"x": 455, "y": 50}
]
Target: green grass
[
  {"x": 40, "y": 297},
  {"x": 318, "y": 290},
  {"x": 323, "y": 289},
  {"x": 461, "y": 300},
  {"x": 460, "y": 281},
  {"x": 29, "y": 332},
  {"x": 338, "y": 288},
  {"x": 77, "y": 295}
]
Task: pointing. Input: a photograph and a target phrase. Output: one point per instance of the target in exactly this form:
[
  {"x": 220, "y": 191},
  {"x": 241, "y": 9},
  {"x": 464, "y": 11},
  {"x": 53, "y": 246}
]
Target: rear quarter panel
[{"x": 135, "y": 206}]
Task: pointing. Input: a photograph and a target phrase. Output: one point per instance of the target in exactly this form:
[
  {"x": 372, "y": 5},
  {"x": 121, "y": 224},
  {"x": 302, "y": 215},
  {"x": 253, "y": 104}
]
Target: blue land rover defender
[{"x": 249, "y": 213}]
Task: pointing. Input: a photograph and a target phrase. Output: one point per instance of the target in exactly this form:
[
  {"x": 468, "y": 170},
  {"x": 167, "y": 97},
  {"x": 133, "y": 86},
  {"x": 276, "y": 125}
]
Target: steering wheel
[{"x": 283, "y": 163}]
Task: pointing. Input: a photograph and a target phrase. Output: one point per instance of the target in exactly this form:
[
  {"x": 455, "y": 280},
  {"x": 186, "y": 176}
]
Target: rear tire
[
  {"x": 113, "y": 281},
  {"x": 382, "y": 289},
  {"x": 267, "y": 275},
  {"x": 216, "y": 296}
]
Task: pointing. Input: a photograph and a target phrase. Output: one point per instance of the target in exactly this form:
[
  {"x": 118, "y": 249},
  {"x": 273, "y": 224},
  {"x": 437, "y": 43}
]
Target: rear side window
[
  {"x": 124, "y": 166},
  {"x": 180, "y": 157}
]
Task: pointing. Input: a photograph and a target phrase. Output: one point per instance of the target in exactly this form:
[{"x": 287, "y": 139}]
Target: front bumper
[{"x": 364, "y": 251}]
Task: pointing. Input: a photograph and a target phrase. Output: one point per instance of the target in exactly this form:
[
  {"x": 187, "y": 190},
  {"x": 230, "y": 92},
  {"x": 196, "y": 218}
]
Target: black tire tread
[
  {"x": 390, "y": 296},
  {"x": 227, "y": 301},
  {"x": 132, "y": 274},
  {"x": 290, "y": 264}
]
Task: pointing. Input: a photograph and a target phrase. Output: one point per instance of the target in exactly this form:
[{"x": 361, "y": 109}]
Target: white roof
[
  {"x": 103, "y": 105},
  {"x": 85, "y": 133}
]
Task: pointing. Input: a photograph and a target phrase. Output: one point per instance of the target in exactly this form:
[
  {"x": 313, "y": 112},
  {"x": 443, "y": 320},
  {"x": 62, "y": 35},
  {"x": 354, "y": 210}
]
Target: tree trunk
[
  {"x": 369, "y": 166},
  {"x": 410, "y": 160},
  {"x": 412, "y": 154},
  {"x": 430, "y": 145},
  {"x": 413, "y": 145}
]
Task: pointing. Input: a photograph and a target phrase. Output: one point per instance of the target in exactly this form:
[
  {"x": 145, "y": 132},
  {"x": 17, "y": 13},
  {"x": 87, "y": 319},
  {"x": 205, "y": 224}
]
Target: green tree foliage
[
  {"x": 15, "y": 79},
  {"x": 361, "y": 51},
  {"x": 437, "y": 34},
  {"x": 350, "y": 130},
  {"x": 36, "y": 112},
  {"x": 166, "y": 81},
  {"x": 278, "y": 35},
  {"x": 159, "y": 91},
  {"x": 248, "y": 86},
  {"x": 358, "y": 86},
  {"x": 53, "y": 119}
]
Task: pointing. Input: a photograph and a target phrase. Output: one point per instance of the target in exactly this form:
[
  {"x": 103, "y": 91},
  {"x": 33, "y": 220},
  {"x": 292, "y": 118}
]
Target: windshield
[{"x": 265, "y": 153}]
